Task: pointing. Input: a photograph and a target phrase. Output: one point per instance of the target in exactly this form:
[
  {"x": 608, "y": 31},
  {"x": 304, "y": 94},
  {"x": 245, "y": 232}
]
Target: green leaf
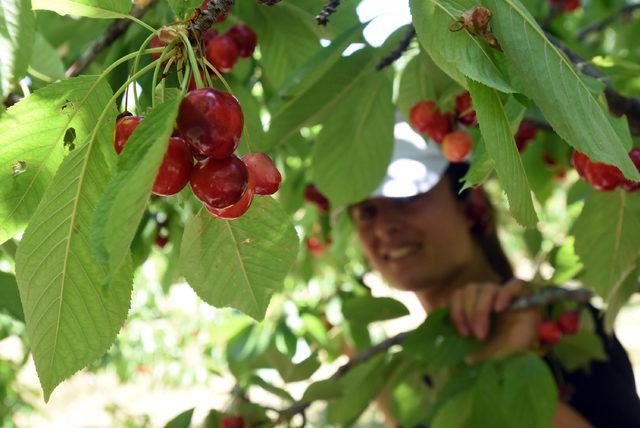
[
  {"x": 120, "y": 209},
  {"x": 355, "y": 145},
  {"x": 312, "y": 105},
  {"x": 566, "y": 262},
  {"x": 183, "y": 420},
  {"x": 499, "y": 142},
  {"x": 33, "y": 132},
  {"x": 579, "y": 350},
  {"x": 619, "y": 297},
  {"x": 458, "y": 54},
  {"x": 45, "y": 62},
  {"x": 481, "y": 167},
  {"x": 17, "y": 28},
  {"x": 253, "y": 133},
  {"x": 541, "y": 72},
  {"x": 323, "y": 390},
  {"x": 10, "y": 296},
  {"x": 72, "y": 313},
  {"x": 239, "y": 263},
  {"x": 530, "y": 395},
  {"x": 366, "y": 309},
  {"x": 457, "y": 412},
  {"x": 606, "y": 241},
  {"x": 183, "y": 8},
  {"x": 106, "y": 9},
  {"x": 289, "y": 371},
  {"x": 278, "y": 392}
]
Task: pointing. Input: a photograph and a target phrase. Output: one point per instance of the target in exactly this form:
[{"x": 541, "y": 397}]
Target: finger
[
  {"x": 507, "y": 293},
  {"x": 456, "y": 313},
  {"x": 469, "y": 295},
  {"x": 482, "y": 310}
]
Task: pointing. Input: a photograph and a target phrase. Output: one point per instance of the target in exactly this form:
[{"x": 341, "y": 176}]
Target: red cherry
[
  {"x": 580, "y": 162},
  {"x": 220, "y": 183},
  {"x": 456, "y": 146},
  {"x": 222, "y": 53},
  {"x": 549, "y": 160},
  {"x": 211, "y": 121},
  {"x": 313, "y": 195},
  {"x": 232, "y": 422},
  {"x": 124, "y": 128},
  {"x": 266, "y": 174},
  {"x": 161, "y": 241},
  {"x": 315, "y": 247},
  {"x": 421, "y": 115},
  {"x": 240, "y": 207},
  {"x": 526, "y": 133},
  {"x": 440, "y": 127},
  {"x": 628, "y": 185},
  {"x": 549, "y": 332},
  {"x": 209, "y": 35},
  {"x": 570, "y": 5},
  {"x": 245, "y": 39},
  {"x": 156, "y": 43},
  {"x": 175, "y": 170},
  {"x": 603, "y": 176},
  {"x": 464, "y": 109},
  {"x": 569, "y": 322},
  {"x": 192, "y": 81}
]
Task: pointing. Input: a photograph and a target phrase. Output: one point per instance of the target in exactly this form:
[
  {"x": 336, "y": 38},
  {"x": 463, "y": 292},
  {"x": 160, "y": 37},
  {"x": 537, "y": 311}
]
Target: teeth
[{"x": 400, "y": 252}]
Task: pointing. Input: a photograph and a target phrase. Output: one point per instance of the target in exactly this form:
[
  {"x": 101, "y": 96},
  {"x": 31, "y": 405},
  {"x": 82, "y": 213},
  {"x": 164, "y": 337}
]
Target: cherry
[
  {"x": 549, "y": 332},
  {"x": 222, "y": 53},
  {"x": 203, "y": 77},
  {"x": 220, "y": 18},
  {"x": 569, "y": 322},
  {"x": 245, "y": 39},
  {"x": 156, "y": 43},
  {"x": 426, "y": 118},
  {"x": 628, "y": 185},
  {"x": 266, "y": 174},
  {"x": 211, "y": 121},
  {"x": 570, "y": 5},
  {"x": 220, "y": 183},
  {"x": 240, "y": 207},
  {"x": 603, "y": 176},
  {"x": 441, "y": 127},
  {"x": 317, "y": 247},
  {"x": 232, "y": 422},
  {"x": 526, "y": 133},
  {"x": 456, "y": 146},
  {"x": 175, "y": 169},
  {"x": 464, "y": 109},
  {"x": 162, "y": 241},
  {"x": 580, "y": 162},
  {"x": 124, "y": 128},
  {"x": 209, "y": 35},
  {"x": 313, "y": 195}
]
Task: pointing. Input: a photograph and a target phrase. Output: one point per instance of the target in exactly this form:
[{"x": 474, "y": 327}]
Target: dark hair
[{"x": 485, "y": 231}]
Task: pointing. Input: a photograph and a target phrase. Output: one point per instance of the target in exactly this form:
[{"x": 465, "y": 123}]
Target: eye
[{"x": 363, "y": 212}]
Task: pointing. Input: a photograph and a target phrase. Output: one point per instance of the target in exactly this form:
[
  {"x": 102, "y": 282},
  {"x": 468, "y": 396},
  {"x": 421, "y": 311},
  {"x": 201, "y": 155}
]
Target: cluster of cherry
[
  {"x": 605, "y": 177},
  {"x": 208, "y": 129},
  {"x": 550, "y": 332},
  {"x": 566, "y": 5},
  {"x": 426, "y": 118}
]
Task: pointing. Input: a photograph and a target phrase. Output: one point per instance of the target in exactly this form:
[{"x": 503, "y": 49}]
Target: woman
[{"x": 424, "y": 235}]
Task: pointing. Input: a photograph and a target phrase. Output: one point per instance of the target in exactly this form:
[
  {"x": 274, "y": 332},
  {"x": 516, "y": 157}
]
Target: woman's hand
[{"x": 471, "y": 308}]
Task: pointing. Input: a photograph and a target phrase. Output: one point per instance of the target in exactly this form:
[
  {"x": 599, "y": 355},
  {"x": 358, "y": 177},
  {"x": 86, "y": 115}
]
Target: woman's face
[{"x": 416, "y": 242}]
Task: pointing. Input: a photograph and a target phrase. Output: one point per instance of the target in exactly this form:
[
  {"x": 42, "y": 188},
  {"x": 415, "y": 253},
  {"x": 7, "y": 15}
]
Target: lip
[{"x": 400, "y": 252}]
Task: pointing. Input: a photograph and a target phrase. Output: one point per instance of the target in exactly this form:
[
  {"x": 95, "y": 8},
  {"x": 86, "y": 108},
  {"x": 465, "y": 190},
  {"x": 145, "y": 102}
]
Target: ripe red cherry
[
  {"x": 549, "y": 332},
  {"x": 569, "y": 322},
  {"x": 245, "y": 39},
  {"x": 239, "y": 208},
  {"x": 211, "y": 121},
  {"x": 209, "y": 35},
  {"x": 421, "y": 115},
  {"x": 313, "y": 195},
  {"x": 526, "y": 133},
  {"x": 440, "y": 127},
  {"x": 603, "y": 176},
  {"x": 156, "y": 43},
  {"x": 317, "y": 247},
  {"x": 222, "y": 53},
  {"x": 580, "y": 162},
  {"x": 220, "y": 183},
  {"x": 464, "y": 109},
  {"x": 232, "y": 422},
  {"x": 570, "y": 5},
  {"x": 456, "y": 146},
  {"x": 266, "y": 174},
  {"x": 124, "y": 128},
  {"x": 162, "y": 240},
  {"x": 175, "y": 169},
  {"x": 628, "y": 185}
]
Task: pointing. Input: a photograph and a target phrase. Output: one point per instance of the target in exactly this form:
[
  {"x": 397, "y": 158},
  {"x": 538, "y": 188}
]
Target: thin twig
[
  {"x": 598, "y": 26},
  {"x": 327, "y": 11},
  {"x": 397, "y": 52},
  {"x": 215, "y": 9},
  {"x": 111, "y": 34},
  {"x": 618, "y": 104}
]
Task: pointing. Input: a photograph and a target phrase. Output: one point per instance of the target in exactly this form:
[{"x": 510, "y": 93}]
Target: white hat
[{"x": 415, "y": 167}]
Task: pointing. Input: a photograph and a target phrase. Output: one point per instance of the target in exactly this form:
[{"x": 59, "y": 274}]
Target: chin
[{"x": 410, "y": 283}]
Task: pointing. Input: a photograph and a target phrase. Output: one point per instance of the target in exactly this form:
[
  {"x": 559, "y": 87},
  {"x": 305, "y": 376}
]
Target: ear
[{"x": 478, "y": 210}]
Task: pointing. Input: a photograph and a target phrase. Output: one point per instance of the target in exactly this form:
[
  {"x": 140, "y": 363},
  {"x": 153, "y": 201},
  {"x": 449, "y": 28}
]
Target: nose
[{"x": 389, "y": 221}]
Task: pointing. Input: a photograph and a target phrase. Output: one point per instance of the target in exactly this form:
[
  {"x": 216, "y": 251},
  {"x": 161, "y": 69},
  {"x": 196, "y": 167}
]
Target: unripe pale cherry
[{"x": 456, "y": 146}]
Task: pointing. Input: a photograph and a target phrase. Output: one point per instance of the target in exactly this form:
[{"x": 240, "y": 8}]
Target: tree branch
[
  {"x": 327, "y": 11},
  {"x": 397, "y": 53},
  {"x": 598, "y": 26},
  {"x": 205, "y": 20},
  {"x": 111, "y": 34}
]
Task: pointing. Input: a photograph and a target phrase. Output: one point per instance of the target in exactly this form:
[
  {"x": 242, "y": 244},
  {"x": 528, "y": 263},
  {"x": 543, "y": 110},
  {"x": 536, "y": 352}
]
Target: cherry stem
[
  {"x": 166, "y": 52},
  {"x": 136, "y": 62},
  {"x": 142, "y": 23},
  {"x": 185, "y": 81},
  {"x": 192, "y": 61}
]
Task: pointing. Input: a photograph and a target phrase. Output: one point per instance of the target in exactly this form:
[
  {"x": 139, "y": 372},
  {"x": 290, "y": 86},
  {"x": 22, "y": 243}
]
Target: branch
[
  {"x": 397, "y": 52},
  {"x": 207, "y": 17},
  {"x": 327, "y": 11},
  {"x": 618, "y": 104},
  {"x": 111, "y": 34},
  {"x": 598, "y": 26}
]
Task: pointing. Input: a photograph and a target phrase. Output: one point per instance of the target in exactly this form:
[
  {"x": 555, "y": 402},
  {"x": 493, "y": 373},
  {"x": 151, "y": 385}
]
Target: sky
[{"x": 388, "y": 14}]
